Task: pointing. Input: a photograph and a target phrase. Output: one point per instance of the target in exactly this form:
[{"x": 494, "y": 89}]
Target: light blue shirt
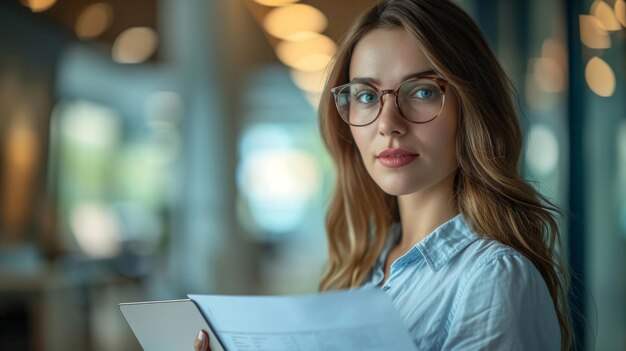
[{"x": 457, "y": 291}]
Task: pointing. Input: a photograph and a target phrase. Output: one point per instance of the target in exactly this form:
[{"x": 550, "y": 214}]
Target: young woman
[{"x": 429, "y": 203}]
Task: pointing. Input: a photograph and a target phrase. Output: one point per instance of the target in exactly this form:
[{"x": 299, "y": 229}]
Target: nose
[{"x": 390, "y": 121}]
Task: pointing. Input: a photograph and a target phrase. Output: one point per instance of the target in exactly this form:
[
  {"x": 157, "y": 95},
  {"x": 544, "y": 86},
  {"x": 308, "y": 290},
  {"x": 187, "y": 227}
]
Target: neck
[{"x": 423, "y": 211}]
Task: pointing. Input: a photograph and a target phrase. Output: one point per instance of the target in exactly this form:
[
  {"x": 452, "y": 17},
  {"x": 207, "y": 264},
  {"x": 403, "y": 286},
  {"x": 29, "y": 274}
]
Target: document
[{"x": 363, "y": 319}]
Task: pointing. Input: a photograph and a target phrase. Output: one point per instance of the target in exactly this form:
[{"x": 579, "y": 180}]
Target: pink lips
[{"x": 395, "y": 158}]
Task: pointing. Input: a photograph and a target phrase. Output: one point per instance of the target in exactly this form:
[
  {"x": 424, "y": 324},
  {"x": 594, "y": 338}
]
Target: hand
[{"x": 202, "y": 342}]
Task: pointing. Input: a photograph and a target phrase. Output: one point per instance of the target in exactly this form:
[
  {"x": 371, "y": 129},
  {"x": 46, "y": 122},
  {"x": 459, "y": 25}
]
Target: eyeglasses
[{"x": 418, "y": 100}]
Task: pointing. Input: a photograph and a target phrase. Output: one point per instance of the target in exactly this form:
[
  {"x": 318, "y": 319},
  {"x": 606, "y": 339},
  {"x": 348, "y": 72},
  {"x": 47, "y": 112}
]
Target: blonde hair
[{"x": 490, "y": 192}]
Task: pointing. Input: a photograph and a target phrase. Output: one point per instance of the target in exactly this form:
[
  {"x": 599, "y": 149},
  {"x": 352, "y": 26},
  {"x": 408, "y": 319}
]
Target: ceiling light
[
  {"x": 39, "y": 5},
  {"x": 312, "y": 81},
  {"x": 286, "y": 22},
  {"x": 94, "y": 21},
  {"x": 312, "y": 54}
]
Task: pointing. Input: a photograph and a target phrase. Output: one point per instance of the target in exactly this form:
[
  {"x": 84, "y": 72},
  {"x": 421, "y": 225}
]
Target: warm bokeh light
[
  {"x": 312, "y": 82},
  {"x": 555, "y": 50},
  {"x": 313, "y": 62},
  {"x": 600, "y": 77},
  {"x": 286, "y": 22},
  {"x": 620, "y": 11},
  {"x": 275, "y": 2},
  {"x": 604, "y": 13},
  {"x": 312, "y": 54},
  {"x": 548, "y": 74},
  {"x": 536, "y": 96},
  {"x": 135, "y": 45},
  {"x": 21, "y": 146},
  {"x": 592, "y": 34},
  {"x": 39, "y": 5},
  {"x": 94, "y": 21}
]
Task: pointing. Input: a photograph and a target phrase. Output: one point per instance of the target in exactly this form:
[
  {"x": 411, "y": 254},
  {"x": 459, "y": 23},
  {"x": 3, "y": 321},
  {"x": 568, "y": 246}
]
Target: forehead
[{"x": 386, "y": 56}]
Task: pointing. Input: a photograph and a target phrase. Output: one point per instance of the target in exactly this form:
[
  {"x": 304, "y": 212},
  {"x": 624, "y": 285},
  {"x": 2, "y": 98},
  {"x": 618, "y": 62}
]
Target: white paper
[{"x": 362, "y": 319}]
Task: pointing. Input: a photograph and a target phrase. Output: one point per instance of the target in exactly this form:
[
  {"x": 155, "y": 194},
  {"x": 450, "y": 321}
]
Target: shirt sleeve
[{"x": 505, "y": 305}]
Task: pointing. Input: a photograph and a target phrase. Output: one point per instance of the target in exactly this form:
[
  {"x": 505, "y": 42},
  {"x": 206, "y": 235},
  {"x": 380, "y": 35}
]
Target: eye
[
  {"x": 424, "y": 93},
  {"x": 367, "y": 97},
  {"x": 420, "y": 90}
]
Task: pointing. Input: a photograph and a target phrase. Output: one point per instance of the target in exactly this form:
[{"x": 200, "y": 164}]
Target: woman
[{"x": 429, "y": 203}]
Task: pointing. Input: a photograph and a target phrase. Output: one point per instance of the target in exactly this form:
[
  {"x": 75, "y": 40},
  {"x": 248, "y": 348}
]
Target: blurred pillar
[
  {"x": 203, "y": 217},
  {"x": 577, "y": 178},
  {"x": 487, "y": 15},
  {"x": 602, "y": 247}
]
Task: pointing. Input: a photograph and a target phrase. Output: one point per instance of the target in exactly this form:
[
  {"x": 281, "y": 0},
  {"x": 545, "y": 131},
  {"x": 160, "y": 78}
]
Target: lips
[{"x": 395, "y": 158}]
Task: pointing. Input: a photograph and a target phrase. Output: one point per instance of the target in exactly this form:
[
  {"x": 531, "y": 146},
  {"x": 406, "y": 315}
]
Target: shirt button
[{"x": 385, "y": 288}]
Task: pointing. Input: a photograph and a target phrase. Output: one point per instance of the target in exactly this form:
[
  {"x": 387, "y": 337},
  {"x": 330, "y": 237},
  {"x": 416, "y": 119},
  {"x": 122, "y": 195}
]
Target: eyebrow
[{"x": 375, "y": 81}]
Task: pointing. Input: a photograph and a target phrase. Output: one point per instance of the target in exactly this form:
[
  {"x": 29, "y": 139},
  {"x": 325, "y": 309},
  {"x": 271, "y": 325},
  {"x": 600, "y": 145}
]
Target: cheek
[
  {"x": 440, "y": 136},
  {"x": 449, "y": 125},
  {"x": 360, "y": 139},
  {"x": 363, "y": 141}
]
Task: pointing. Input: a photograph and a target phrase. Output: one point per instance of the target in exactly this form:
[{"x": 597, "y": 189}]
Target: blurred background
[{"x": 155, "y": 148}]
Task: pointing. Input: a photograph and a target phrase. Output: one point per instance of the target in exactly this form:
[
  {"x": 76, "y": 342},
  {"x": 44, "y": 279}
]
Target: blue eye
[
  {"x": 367, "y": 97},
  {"x": 424, "y": 93}
]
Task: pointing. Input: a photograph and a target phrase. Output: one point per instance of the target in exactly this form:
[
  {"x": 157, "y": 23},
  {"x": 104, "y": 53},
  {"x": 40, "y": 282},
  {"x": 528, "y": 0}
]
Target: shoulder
[
  {"x": 488, "y": 255},
  {"x": 499, "y": 270},
  {"x": 502, "y": 298}
]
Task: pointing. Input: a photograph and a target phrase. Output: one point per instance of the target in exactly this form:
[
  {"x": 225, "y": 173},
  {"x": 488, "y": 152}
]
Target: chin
[{"x": 397, "y": 188}]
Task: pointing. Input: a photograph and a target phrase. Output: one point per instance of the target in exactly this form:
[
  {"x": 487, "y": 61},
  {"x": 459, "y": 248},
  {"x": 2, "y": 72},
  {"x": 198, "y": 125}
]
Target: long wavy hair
[{"x": 489, "y": 190}]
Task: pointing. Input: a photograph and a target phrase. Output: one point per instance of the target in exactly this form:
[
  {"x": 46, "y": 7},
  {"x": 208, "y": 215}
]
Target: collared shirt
[{"x": 457, "y": 291}]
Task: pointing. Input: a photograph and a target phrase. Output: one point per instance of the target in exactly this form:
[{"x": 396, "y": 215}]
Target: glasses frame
[{"x": 442, "y": 83}]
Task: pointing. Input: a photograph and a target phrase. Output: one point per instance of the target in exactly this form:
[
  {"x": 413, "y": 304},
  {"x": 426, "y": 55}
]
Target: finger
[{"x": 202, "y": 342}]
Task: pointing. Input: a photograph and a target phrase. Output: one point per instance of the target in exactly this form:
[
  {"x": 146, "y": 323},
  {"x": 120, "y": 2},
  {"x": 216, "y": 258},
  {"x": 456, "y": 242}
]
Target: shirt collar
[{"x": 446, "y": 241}]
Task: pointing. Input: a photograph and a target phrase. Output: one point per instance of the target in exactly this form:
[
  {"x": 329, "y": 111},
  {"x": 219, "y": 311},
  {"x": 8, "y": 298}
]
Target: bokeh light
[
  {"x": 311, "y": 81},
  {"x": 286, "y": 22},
  {"x": 20, "y": 155},
  {"x": 96, "y": 229},
  {"x": 548, "y": 74},
  {"x": 94, "y": 21},
  {"x": 604, "y": 13},
  {"x": 542, "y": 152},
  {"x": 276, "y": 178},
  {"x": 620, "y": 11},
  {"x": 600, "y": 77},
  {"x": 39, "y": 5},
  {"x": 135, "y": 45},
  {"x": 311, "y": 54},
  {"x": 592, "y": 34},
  {"x": 275, "y": 3},
  {"x": 555, "y": 50}
]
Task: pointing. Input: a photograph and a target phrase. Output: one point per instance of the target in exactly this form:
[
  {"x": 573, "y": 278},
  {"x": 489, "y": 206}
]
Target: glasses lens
[
  {"x": 420, "y": 100},
  {"x": 357, "y": 103}
]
